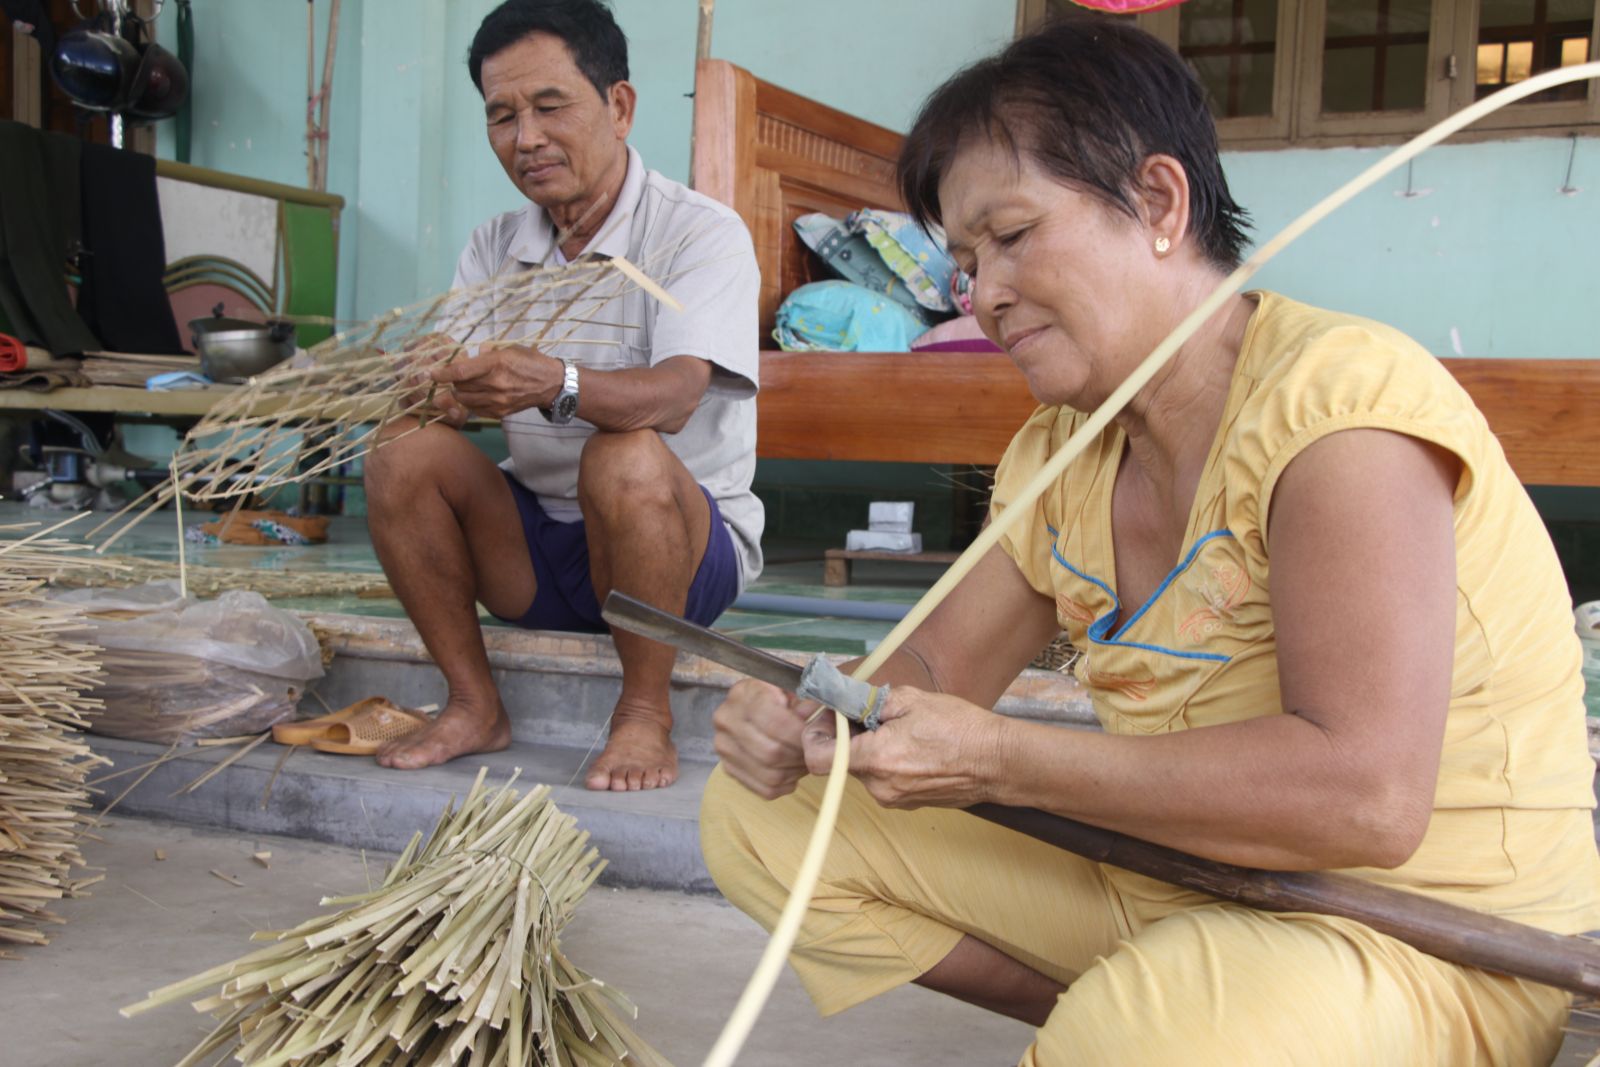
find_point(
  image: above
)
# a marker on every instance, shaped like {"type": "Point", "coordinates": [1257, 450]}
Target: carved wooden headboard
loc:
{"type": "Point", "coordinates": [774, 155]}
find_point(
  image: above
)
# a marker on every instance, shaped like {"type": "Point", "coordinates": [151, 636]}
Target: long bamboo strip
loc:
{"type": "Point", "coordinates": [455, 958]}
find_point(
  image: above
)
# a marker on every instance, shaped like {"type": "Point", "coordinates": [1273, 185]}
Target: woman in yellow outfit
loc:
{"type": "Point", "coordinates": [1323, 628]}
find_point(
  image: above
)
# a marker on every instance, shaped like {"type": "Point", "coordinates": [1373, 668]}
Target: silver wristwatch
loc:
{"type": "Point", "coordinates": [565, 404]}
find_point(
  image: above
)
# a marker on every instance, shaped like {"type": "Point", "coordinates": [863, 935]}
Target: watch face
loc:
{"type": "Point", "coordinates": [565, 406]}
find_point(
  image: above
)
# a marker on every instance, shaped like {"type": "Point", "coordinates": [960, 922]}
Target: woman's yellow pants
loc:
{"type": "Point", "coordinates": [1155, 975]}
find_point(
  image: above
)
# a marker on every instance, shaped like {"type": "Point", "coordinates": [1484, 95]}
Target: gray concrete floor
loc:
{"type": "Point", "coordinates": [682, 959]}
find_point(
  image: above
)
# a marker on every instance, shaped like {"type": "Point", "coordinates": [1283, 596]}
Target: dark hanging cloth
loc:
{"type": "Point", "coordinates": [38, 233]}
{"type": "Point", "coordinates": [124, 254]}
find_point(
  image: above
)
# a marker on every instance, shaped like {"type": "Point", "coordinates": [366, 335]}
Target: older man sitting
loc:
{"type": "Point", "coordinates": [631, 452]}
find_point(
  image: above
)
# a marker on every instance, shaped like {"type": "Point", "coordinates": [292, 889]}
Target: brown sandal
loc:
{"type": "Point", "coordinates": [358, 730]}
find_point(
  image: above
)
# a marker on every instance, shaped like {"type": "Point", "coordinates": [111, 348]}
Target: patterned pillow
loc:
{"type": "Point", "coordinates": [851, 257]}
{"type": "Point", "coordinates": [841, 317]}
{"type": "Point", "coordinates": [916, 256]}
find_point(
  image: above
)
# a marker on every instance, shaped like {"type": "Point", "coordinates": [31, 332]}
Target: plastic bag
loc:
{"type": "Point", "coordinates": [177, 668]}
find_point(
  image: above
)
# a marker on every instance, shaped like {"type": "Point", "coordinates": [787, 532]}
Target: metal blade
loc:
{"type": "Point", "coordinates": [635, 616]}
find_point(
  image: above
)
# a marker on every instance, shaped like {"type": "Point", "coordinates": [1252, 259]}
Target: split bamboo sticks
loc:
{"type": "Point", "coordinates": [456, 957]}
{"type": "Point", "coordinates": [44, 672]}
{"type": "Point", "coordinates": [207, 581]}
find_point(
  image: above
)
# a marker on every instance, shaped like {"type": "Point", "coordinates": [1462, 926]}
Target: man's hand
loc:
{"type": "Point", "coordinates": [502, 381]}
{"type": "Point", "coordinates": [932, 750]}
{"type": "Point", "coordinates": [428, 352]}
{"type": "Point", "coordinates": [758, 737]}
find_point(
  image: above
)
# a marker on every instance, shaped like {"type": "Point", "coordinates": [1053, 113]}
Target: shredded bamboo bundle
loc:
{"type": "Point", "coordinates": [207, 581]}
{"type": "Point", "coordinates": [43, 761]}
{"type": "Point", "coordinates": [457, 954]}
{"type": "Point", "coordinates": [307, 417]}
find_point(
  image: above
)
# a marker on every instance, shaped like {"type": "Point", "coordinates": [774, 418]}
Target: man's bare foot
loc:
{"type": "Point", "coordinates": [460, 729]}
{"type": "Point", "coordinates": [638, 755]}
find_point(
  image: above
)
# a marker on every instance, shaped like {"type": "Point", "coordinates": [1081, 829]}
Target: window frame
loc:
{"type": "Point", "coordinates": [1557, 116]}
{"type": "Point", "coordinates": [1313, 123]}
{"type": "Point", "coordinates": [1278, 124]}
{"type": "Point", "coordinates": [1297, 119]}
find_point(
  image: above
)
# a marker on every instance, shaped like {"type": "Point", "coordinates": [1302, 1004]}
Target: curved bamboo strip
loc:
{"type": "Point", "coordinates": [754, 998]}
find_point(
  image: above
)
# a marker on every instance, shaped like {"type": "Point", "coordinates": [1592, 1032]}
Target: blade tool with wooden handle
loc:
{"type": "Point", "coordinates": [1440, 929]}
{"type": "Point", "coordinates": [818, 680]}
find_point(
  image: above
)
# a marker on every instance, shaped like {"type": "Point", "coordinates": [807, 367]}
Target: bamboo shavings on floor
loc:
{"type": "Point", "coordinates": [457, 954]}
{"type": "Point", "coordinates": [43, 760]}
{"type": "Point", "coordinates": [211, 581]}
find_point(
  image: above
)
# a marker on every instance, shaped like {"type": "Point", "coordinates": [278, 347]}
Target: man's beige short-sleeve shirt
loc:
{"type": "Point", "coordinates": [700, 252]}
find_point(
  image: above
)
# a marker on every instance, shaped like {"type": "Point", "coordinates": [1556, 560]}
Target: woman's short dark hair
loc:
{"type": "Point", "coordinates": [597, 43]}
{"type": "Point", "coordinates": [1087, 99]}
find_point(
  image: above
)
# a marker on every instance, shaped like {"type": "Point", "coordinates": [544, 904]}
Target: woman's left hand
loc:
{"type": "Point", "coordinates": [931, 750]}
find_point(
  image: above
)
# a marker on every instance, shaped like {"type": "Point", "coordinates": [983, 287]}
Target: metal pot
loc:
{"type": "Point", "coordinates": [232, 350]}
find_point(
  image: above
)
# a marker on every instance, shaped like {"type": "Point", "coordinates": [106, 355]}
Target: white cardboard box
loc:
{"type": "Point", "coordinates": [892, 516]}
{"type": "Point", "coordinates": [882, 541]}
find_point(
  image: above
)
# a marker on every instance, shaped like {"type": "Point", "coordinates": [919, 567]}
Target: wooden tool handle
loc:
{"type": "Point", "coordinates": [1450, 932]}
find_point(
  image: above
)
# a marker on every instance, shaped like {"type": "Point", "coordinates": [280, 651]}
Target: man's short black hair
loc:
{"type": "Point", "coordinates": [596, 41]}
{"type": "Point", "coordinates": [1087, 99]}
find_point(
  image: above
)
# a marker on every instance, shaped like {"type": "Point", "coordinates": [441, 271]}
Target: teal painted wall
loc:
{"type": "Point", "coordinates": [777, 41]}
{"type": "Point", "coordinates": [248, 90]}
{"type": "Point", "coordinates": [1489, 259]}
{"type": "Point", "coordinates": [408, 147]}
{"type": "Point", "coordinates": [1486, 257]}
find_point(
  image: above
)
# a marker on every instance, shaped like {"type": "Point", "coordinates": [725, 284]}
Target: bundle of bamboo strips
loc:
{"type": "Point", "coordinates": [457, 954]}
{"type": "Point", "coordinates": [43, 761]}
{"type": "Point", "coordinates": [204, 581]}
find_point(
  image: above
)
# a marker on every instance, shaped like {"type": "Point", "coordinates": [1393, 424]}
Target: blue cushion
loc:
{"type": "Point", "coordinates": [841, 317]}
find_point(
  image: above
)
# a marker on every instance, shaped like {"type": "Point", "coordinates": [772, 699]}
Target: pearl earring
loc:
{"type": "Point", "coordinates": [1162, 246]}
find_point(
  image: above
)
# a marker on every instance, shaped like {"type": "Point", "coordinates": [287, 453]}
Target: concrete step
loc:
{"type": "Point", "coordinates": [649, 838]}
{"type": "Point", "coordinates": [559, 690]}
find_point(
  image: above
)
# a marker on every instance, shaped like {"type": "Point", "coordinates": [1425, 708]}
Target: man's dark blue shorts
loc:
{"type": "Point", "coordinates": [560, 553]}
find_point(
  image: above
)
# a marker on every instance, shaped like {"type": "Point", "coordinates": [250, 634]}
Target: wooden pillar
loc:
{"type": "Point", "coordinates": [26, 61]}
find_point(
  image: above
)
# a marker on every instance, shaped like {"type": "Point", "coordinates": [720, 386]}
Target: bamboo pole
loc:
{"type": "Point", "coordinates": [311, 94]}
{"type": "Point", "coordinates": [702, 50]}
{"type": "Point", "coordinates": [324, 103]}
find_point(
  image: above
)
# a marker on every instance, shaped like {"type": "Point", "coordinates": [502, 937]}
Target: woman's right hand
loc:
{"type": "Point", "coordinates": [758, 736]}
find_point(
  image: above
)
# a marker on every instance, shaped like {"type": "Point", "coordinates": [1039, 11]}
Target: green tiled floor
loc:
{"type": "Point", "coordinates": [793, 571]}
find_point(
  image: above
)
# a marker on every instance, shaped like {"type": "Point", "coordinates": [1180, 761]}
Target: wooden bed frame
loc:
{"type": "Point", "coordinates": [773, 155]}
